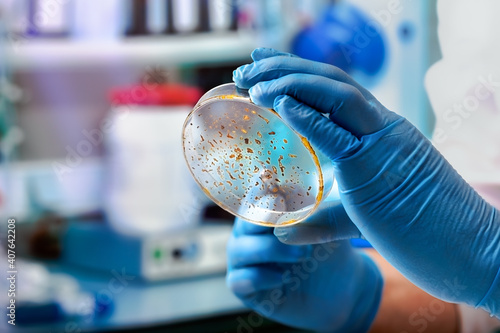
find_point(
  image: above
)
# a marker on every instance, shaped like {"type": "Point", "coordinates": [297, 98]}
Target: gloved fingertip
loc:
{"type": "Point", "coordinates": [241, 75]}
{"type": "Point", "coordinates": [236, 76]}
{"type": "Point", "coordinates": [281, 234]}
{"type": "Point", "coordinates": [288, 241]}
{"type": "Point", "coordinates": [303, 235]}
{"type": "Point", "coordinates": [288, 236]}
{"type": "Point", "coordinates": [255, 93]}
{"type": "Point", "coordinates": [265, 52]}
{"type": "Point", "coordinates": [262, 53]}
{"type": "Point", "coordinates": [241, 286]}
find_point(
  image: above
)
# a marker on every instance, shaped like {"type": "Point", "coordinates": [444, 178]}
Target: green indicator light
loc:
{"type": "Point", "coordinates": [157, 254]}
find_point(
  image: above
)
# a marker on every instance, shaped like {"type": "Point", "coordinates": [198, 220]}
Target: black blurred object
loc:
{"type": "Point", "coordinates": [213, 76]}
{"type": "Point", "coordinates": [46, 234]}
{"type": "Point", "coordinates": [38, 313]}
{"type": "Point", "coordinates": [234, 16]}
{"type": "Point", "coordinates": [45, 240]}
{"type": "Point", "coordinates": [137, 18]}
{"type": "Point", "coordinates": [214, 212]}
{"type": "Point", "coordinates": [170, 28]}
{"type": "Point", "coordinates": [250, 322]}
{"type": "Point", "coordinates": [203, 16]}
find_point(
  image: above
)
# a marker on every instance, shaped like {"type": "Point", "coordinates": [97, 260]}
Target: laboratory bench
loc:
{"type": "Point", "coordinates": [134, 283]}
{"type": "Point", "coordinates": [201, 304]}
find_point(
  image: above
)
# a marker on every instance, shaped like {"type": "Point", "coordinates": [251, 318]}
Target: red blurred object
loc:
{"type": "Point", "coordinates": [161, 94]}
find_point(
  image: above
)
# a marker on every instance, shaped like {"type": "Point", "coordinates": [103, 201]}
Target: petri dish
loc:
{"type": "Point", "coordinates": [250, 162]}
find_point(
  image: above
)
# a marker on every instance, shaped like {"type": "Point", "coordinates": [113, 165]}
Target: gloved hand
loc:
{"type": "Point", "coordinates": [329, 223]}
{"type": "Point", "coordinates": [328, 287]}
{"type": "Point", "coordinates": [403, 196]}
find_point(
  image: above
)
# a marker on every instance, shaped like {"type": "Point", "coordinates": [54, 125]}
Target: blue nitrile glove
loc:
{"type": "Point", "coordinates": [403, 196]}
{"type": "Point", "coordinates": [329, 287]}
{"type": "Point", "coordinates": [329, 223]}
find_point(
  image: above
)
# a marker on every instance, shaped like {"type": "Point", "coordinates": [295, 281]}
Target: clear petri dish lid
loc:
{"type": "Point", "coordinates": [250, 162]}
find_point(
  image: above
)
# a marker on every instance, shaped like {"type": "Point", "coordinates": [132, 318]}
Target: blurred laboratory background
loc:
{"type": "Point", "coordinates": [111, 233]}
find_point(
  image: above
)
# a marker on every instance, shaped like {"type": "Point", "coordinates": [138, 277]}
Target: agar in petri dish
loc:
{"type": "Point", "coordinates": [250, 162]}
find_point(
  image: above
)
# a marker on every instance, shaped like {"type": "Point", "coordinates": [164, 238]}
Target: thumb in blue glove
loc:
{"type": "Point", "coordinates": [400, 192]}
{"type": "Point", "coordinates": [329, 223]}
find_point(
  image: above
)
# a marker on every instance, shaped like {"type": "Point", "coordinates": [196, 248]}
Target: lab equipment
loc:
{"type": "Point", "coordinates": [408, 33]}
{"type": "Point", "coordinates": [148, 188]}
{"type": "Point", "coordinates": [251, 163]}
{"type": "Point", "coordinates": [48, 18]}
{"type": "Point", "coordinates": [137, 20]}
{"type": "Point", "coordinates": [186, 15]}
{"type": "Point", "coordinates": [224, 15]}
{"type": "Point", "coordinates": [41, 296]}
{"type": "Point", "coordinates": [385, 46]}
{"type": "Point", "coordinates": [345, 37]}
{"type": "Point", "coordinates": [297, 286]}
{"type": "Point", "coordinates": [103, 24]}
{"type": "Point", "coordinates": [159, 16]}
{"type": "Point", "coordinates": [403, 196]}
{"type": "Point", "coordinates": [203, 16]}
{"type": "Point", "coordinates": [163, 256]}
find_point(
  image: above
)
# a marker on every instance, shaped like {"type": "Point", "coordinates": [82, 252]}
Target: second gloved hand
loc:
{"type": "Point", "coordinates": [328, 287]}
{"type": "Point", "coordinates": [403, 196]}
